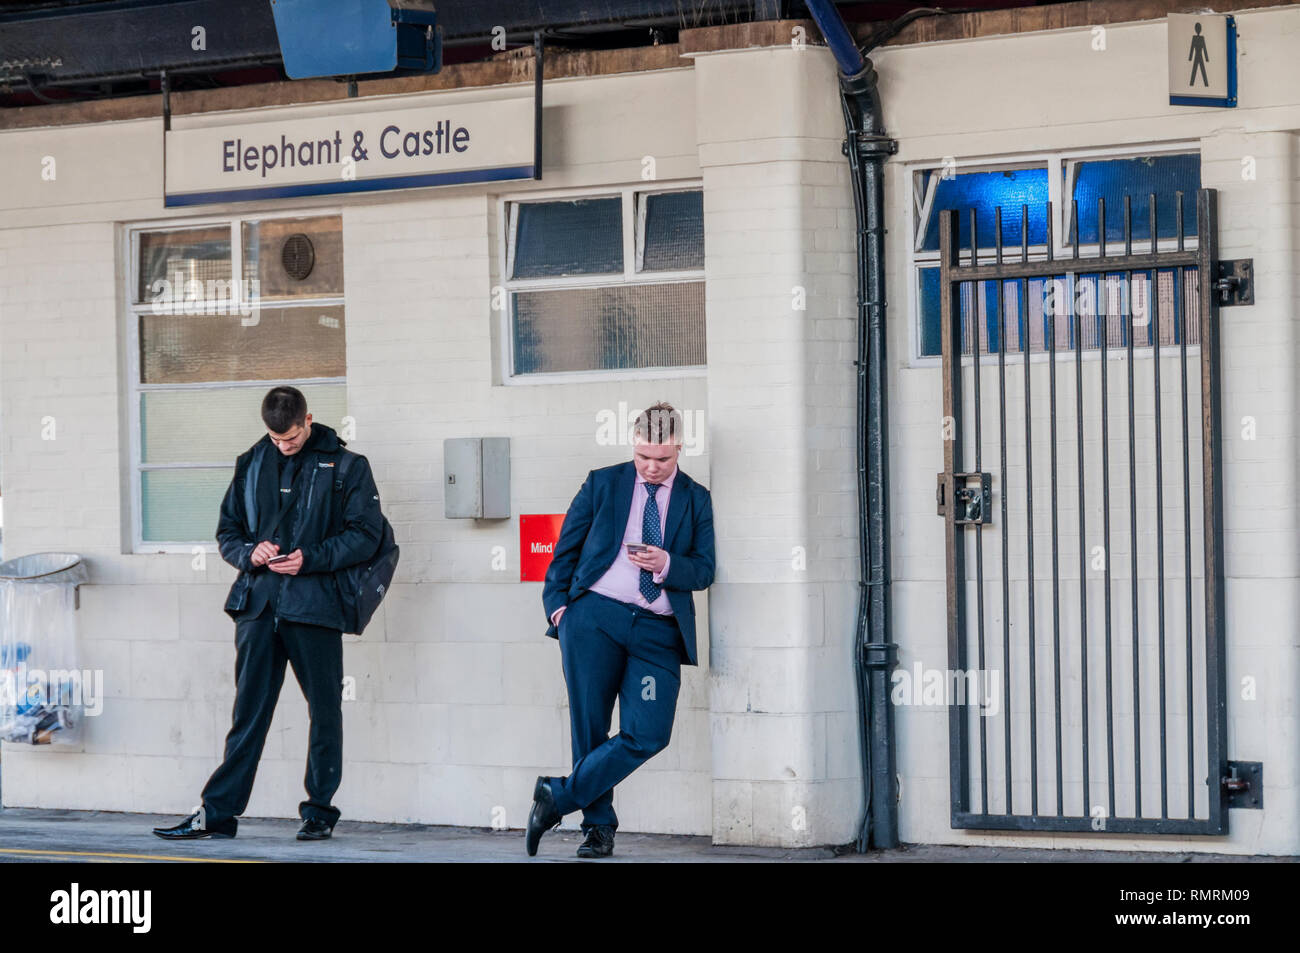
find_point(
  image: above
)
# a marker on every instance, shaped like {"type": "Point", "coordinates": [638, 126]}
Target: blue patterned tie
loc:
{"type": "Point", "coordinates": [651, 535]}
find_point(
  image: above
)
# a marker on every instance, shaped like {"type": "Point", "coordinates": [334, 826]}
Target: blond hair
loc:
{"type": "Point", "coordinates": [659, 424]}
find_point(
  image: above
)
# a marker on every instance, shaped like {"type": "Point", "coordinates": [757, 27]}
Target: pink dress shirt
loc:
{"type": "Point", "coordinates": [622, 581]}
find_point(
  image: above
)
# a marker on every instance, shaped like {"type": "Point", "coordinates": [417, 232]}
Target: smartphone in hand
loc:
{"type": "Point", "coordinates": [277, 559]}
{"type": "Point", "coordinates": [636, 547]}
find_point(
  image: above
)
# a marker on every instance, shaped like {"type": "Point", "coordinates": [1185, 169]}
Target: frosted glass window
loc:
{"type": "Point", "coordinates": [179, 258]}
{"type": "Point", "coordinates": [295, 257]}
{"type": "Point", "coordinates": [581, 237]}
{"type": "Point", "coordinates": [623, 326]}
{"type": "Point", "coordinates": [206, 355]}
{"type": "Point", "coordinates": [212, 425]}
{"type": "Point", "coordinates": [1104, 303]}
{"type": "Point", "coordinates": [576, 303]}
{"type": "Point", "coordinates": [182, 505]}
{"type": "Point", "coordinates": [273, 344]}
{"type": "Point", "coordinates": [1112, 179]}
{"type": "Point", "coordinates": [985, 192]}
{"type": "Point", "coordinates": [672, 236]}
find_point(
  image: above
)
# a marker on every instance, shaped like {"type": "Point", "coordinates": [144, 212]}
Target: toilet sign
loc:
{"type": "Point", "coordinates": [1202, 59]}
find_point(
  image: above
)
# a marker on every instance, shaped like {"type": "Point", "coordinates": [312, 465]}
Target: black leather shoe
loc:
{"type": "Point", "coordinates": [599, 842]}
{"type": "Point", "coordinates": [192, 828]}
{"type": "Point", "coordinates": [313, 828]}
{"type": "Point", "coordinates": [543, 817]}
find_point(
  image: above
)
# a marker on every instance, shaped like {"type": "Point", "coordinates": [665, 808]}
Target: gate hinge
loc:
{"type": "Point", "coordinates": [974, 495]}
{"type": "Point", "coordinates": [1234, 280]}
{"type": "Point", "coordinates": [1244, 784]}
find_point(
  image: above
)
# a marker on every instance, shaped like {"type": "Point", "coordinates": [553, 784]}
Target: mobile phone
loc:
{"type": "Point", "coordinates": [636, 547]}
{"type": "Point", "coordinates": [278, 559]}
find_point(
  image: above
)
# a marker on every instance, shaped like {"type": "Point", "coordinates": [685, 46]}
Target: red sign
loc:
{"type": "Point", "coordinates": [537, 536]}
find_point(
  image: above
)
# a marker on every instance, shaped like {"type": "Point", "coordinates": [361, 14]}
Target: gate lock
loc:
{"type": "Point", "coordinates": [972, 494]}
{"type": "Point", "coordinates": [1244, 784]}
{"type": "Point", "coordinates": [1234, 280]}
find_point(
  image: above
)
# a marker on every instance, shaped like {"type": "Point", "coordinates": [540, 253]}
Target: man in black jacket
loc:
{"type": "Point", "coordinates": [288, 522]}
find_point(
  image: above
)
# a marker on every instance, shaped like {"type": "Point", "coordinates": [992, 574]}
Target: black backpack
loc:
{"type": "Point", "coordinates": [363, 586]}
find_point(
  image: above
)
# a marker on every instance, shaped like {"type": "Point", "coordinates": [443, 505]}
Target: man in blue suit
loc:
{"type": "Point", "coordinates": [636, 541]}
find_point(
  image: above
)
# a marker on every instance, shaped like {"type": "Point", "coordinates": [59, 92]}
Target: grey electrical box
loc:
{"type": "Point", "coordinates": [476, 481]}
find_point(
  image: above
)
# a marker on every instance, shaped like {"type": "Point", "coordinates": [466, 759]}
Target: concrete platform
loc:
{"type": "Point", "coordinates": [33, 835]}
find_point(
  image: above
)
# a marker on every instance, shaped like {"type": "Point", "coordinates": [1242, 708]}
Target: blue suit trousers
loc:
{"type": "Point", "coordinates": [614, 650]}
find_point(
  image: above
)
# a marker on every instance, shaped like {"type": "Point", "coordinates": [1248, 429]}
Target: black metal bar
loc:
{"type": "Point", "coordinates": [1027, 350]}
{"type": "Point", "coordinates": [1153, 305]}
{"type": "Point", "coordinates": [1056, 573]}
{"type": "Point", "coordinates": [1216, 702]}
{"type": "Point", "coordinates": [1006, 571]}
{"type": "Point", "coordinates": [950, 309]}
{"type": "Point", "coordinates": [978, 289]}
{"type": "Point", "coordinates": [539, 70]}
{"type": "Point", "coordinates": [164, 82]}
{"type": "Point", "coordinates": [1132, 513]}
{"type": "Point", "coordinates": [1083, 538]}
{"type": "Point", "coordinates": [1104, 319]}
{"type": "Point", "coordinates": [1046, 269]}
{"type": "Point", "coordinates": [165, 87]}
{"type": "Point", "coordinates": [1181, 329]}
{"type": "Point", "coordinates": [1050, 822]}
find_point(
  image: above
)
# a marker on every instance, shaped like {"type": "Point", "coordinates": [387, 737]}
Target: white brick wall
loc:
{"type": "Point", "coordinates": [781, 394]}
{"type": "Point", "coordinates": [459, 701]}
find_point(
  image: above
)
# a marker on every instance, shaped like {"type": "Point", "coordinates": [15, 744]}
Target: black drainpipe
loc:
{"type": "Point", "coordinates": [874, 654]}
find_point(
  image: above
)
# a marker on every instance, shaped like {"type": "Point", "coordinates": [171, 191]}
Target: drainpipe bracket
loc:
{"type": "Point", "coordinates": [880, 655]}
{"type": "Point", "coordinates": [868, 143]}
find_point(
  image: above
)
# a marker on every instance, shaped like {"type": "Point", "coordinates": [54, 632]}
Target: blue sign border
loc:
{"type": "Point", "coordinates": [343, 186]}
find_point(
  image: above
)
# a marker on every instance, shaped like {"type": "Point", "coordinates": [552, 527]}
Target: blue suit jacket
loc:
{"type": "Point", "coordinates": [593, 532]}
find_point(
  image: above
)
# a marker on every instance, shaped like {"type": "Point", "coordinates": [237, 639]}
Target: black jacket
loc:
{"type": "Point", "coordinates": [334, 525]}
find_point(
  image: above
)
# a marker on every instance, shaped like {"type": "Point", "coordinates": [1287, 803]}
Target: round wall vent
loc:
{"type": "Point", "coordinates": [298, 256]}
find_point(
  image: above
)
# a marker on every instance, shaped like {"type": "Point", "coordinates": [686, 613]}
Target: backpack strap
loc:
{"type": "Point", "coordinates": [347, 456]}
{"type": "Point", "coordinates": [251, 473]}
{"type": "Point", "coordinates": [345, 461]}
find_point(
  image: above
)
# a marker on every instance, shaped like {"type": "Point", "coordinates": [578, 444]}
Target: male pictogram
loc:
{"type": "Point", "coordinates": [1199, 56]}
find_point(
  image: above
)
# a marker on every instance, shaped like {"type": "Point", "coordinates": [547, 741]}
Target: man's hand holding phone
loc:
{"type": "Point", "coordinates": [264, 552]}
{"type": "Point", "coordinates": [288, 564]}
{"type": "Point", "coordinates": [648, 557]}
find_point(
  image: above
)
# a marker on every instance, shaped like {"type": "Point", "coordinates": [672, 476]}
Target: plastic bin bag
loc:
{"type": "Point", "coordinates": [43, 693]}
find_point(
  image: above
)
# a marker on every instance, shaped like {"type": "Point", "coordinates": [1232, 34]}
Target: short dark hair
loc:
{"type": "Point", "coordinates": [283, 407]}
{"type": "Point", "coordinates": [659, 424]}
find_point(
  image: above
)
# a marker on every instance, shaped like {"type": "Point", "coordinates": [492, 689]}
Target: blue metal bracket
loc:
{"type": "Point", "coordinates": [321, 38]}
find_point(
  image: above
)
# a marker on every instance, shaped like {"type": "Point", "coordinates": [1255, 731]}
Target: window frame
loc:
{"type": "Point", "coordinates": [136, 389]}
{"type": "Point", "coordinates": [1059, 163]}
{"type": "Point", "coordinates": [632, 209]}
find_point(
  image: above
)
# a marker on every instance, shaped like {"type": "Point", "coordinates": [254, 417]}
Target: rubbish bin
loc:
{"type": "Point", "coordinates": [42, 690]}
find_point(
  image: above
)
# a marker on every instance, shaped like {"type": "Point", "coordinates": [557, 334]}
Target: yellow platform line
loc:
{"type": "Point", "coordinates": [92, 853]}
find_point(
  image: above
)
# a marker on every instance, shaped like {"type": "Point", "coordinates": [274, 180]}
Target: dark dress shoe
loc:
{"type": "Point", "coordinates": [313, 828]}
{"type": "Point", "coordinates": [599, 842]}
{"type": "Point", "coordinates": [544, 815]}
{"type": "Point", "coordinates": [192, 829]}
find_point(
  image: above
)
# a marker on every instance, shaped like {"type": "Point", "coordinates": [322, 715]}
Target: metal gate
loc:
{"type": "Point", "coordinates": [1082, 506]}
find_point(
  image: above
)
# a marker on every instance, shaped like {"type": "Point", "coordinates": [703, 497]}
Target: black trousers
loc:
{"type": "Point", "coordinates": [262, 648]}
